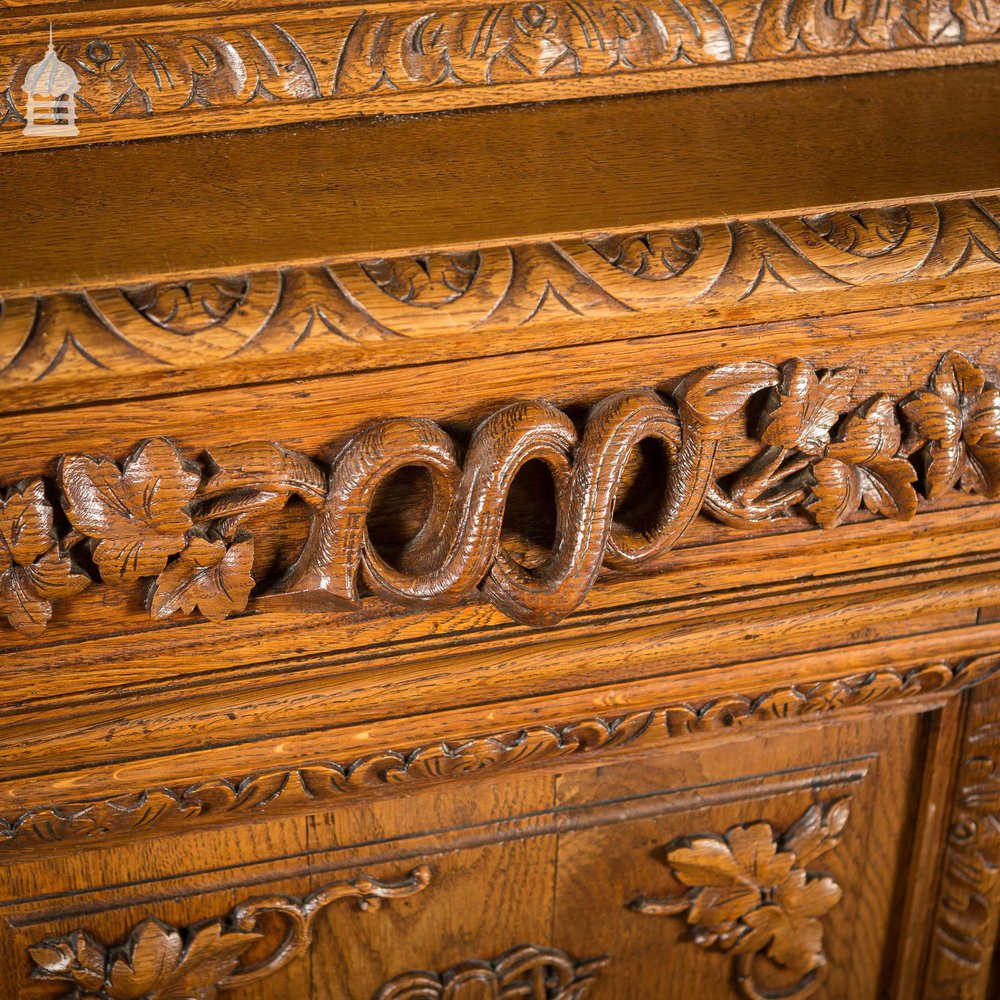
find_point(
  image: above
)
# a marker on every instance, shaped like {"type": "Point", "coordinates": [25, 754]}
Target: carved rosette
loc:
{"type": "Point", "coordinates": [750, 894]}
{"type": "Point", "coordinates": [183, 526]}
{"type": "Point", "coordinates": [160, 962]}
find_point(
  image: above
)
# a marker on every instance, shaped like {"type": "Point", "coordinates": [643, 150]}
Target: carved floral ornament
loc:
{"type": "Point", "coordinates": [160, 962]}
{"type": "Point", "coordinates": [185, 528]}
{"type": "Point", "coordinates": [750, 895]}
{"type": "Point", "coordinates": [152, 69]}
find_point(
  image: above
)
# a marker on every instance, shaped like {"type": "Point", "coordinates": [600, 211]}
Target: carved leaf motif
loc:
{"type": "Point", "coordinates": [33, 572]}
{"type": "Point", "coordinates": [959, 416]}
{"type": "Point", "coordinates": [156, 964]}
{"type": "Point", "coordinates": [862, 466]}
{"type": "Point", "coordinates": [210, 575]}
{"type": "Point", "coordinates": [265, 468]}
{"type": "Point", "coordinates": [138, 515]}
{"type": "Point", "coordinates": [801, 411]}
{"type": "Point", "coordinates": [713, 395]}
{"type": "Point", "coordinates": [76, 957]}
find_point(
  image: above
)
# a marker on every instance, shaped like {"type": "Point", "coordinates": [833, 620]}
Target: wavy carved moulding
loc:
{"type": "Point", "coordinates": [291, 63]}
{"type": "Point", "coordinates": [654, 277]}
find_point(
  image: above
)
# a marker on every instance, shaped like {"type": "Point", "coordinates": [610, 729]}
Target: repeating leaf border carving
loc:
{"type": "Point", "coordinates": [317, 784]}
{"type": "Point", "coordinates": [185, 323]}
{"type": "Point", "coordinates": [185, 529]}
{"type": "Point", "coordinates": [293, 58]}
{"type": "Point", "coordinates": [159, 961]}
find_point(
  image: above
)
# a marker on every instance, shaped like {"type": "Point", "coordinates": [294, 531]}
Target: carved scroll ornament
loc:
{"type": "Point", "coordinates": [749, 894]}
{"type": "Point", "coordinates": [183, 527]}
{"type": "Point", "coordinates": [159, 962]}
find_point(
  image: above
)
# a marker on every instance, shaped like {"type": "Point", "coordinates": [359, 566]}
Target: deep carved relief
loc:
{"type": "Point", "coordinates": [541, 973]}
{"type": "Point", "coordinates": [965, 924]}
{"type": "Point", "coordinates": [159, 962]}
{"type": "Point", "coordinates": [155, 70]}
{"type": "Point", "coordinates": [185, 528]}
{"type": "Point", "coordinates": [189, 324]}
{"type": "Point", "coordinates": [314, 783]}
{"type": "Point", "coordinates": [751, 895]}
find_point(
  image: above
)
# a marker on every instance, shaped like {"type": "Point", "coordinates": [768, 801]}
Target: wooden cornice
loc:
{"type": "Point", "coordinates": [155, 68]}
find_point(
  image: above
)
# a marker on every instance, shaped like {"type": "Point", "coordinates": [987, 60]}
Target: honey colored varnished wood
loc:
{"type": "Point", "coordinates": [547, 550]}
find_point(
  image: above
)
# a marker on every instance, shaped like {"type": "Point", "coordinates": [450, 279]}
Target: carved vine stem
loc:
{"type": "Point", "coordinates": [159, 962]}
{"type": "Point", "coordinates": [749, 894]}
{"type": "Point", "coordinates": [183, 527]}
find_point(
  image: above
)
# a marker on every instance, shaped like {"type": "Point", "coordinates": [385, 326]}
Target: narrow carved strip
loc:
{"type": "Point", "coordinates": [968, 908]}
{"type": "Point", "coordinates": [287, 60]}
{"type": "Point", "coordinates": [750, 895]}
{"type": "Point", "coordinates": [160, 962]}
{"type": "Point", "coordinates": [185, 529]}
{"type": "Point", "coordinates": [528, 970]}
{"type": "Point", "coordinates": [193, 323]}
{"type": "Point", "coordinates": [316, 783]}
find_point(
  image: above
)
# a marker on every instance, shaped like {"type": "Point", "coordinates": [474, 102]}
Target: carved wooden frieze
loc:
{"type": "Point", "coordinates": [750, 894]}
{"type": "Point", "coordinates": [525, 971]}
{"type": "Point", "coordinates": [193, 323]}
{"type": "Point", "coordinates": [315, 783]}
{"type": "Point", "coordinates": [159, 962]}
{"type": "Point", "coordinates": [292, 60]}
{"type": "Point", "coordinates": [185, 528]}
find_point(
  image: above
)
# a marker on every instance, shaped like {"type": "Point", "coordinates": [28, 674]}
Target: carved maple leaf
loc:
{"type": "Point", "coordinates": [156, 965]}
{"type": "Point", "coordinates": [863, 467]}
{"type": "Point", "coordinates": [33, 572]}
{"type": "Point", "coordinates": [959, 415]}
{"type": "Point", "coordinates": [801, 411]}
{"type": "Point", "coordinates": [137, 516]}
{"type": "Point", "coordinates": [210, 575]}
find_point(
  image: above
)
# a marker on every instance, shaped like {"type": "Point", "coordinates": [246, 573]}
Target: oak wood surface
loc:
{"type": "Point", "coordinates": [879, 138]}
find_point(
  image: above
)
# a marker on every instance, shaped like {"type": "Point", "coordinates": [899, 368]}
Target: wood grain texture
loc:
{"type": "Point", "coordinates": [80, 338]}
{"type": "Point", "coordinates": [316, 784]}
{"type": "Point", "coordinates": [181, 71]}
{"type": "Point", "coordinates": [158, 515]}
{"type": "Point", "coordinates": [926, 134]}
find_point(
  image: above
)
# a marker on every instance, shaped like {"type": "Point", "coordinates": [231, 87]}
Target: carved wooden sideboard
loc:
{"type": "Point", "coordinates": [500, 501]}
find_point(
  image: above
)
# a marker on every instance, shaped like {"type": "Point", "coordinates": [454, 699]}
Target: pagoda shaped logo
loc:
{"type": "Point", "coordinates": [51, 87]}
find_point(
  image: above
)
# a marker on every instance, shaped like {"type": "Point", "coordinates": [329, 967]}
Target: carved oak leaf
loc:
{"type": "Point", "coordinates": [137, 515]}
{"type": "Point", "coordinates": [211, 575]}
{"type": "Point", "coordinates": [33, 572]}
{"type": "Point", "coordinates": [800, 412]}
{"type": "Point", "coordinates": [76, 957]}
{"type": "Point", "coordinates": [156, 965]}
{"type": "Point", "coordinates": [959, 415]}
{"type": "Point", "coordinates": [862, 467]}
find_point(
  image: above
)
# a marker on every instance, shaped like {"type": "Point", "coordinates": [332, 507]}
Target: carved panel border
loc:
{"type": "Point", "coordinates": [187, 324]}
{"type": "Point", "coordinates": [184, 529]}
{"type": "Point", "coordinates": [335, 60]}
{"type": "Point", "coordinates": [317, 784]}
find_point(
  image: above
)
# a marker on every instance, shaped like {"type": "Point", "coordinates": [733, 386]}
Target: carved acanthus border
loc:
{"type": "Point", "coordinates": [966, 922]}
{"type": "Point", "coordinates": [160, 962]}
{"type": "Point", "coordinates": [319, 783]}
{"type": "Point", "coordinates": [528, 970]}
{"type": "Point", "coordinates": [193, 323]}
{"type": "Point", "coordinates": [184, 528]}
{"type": "Point", "coordinates": [292, 59]}
{"type": "Point", "coordinates": [749, 894]}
